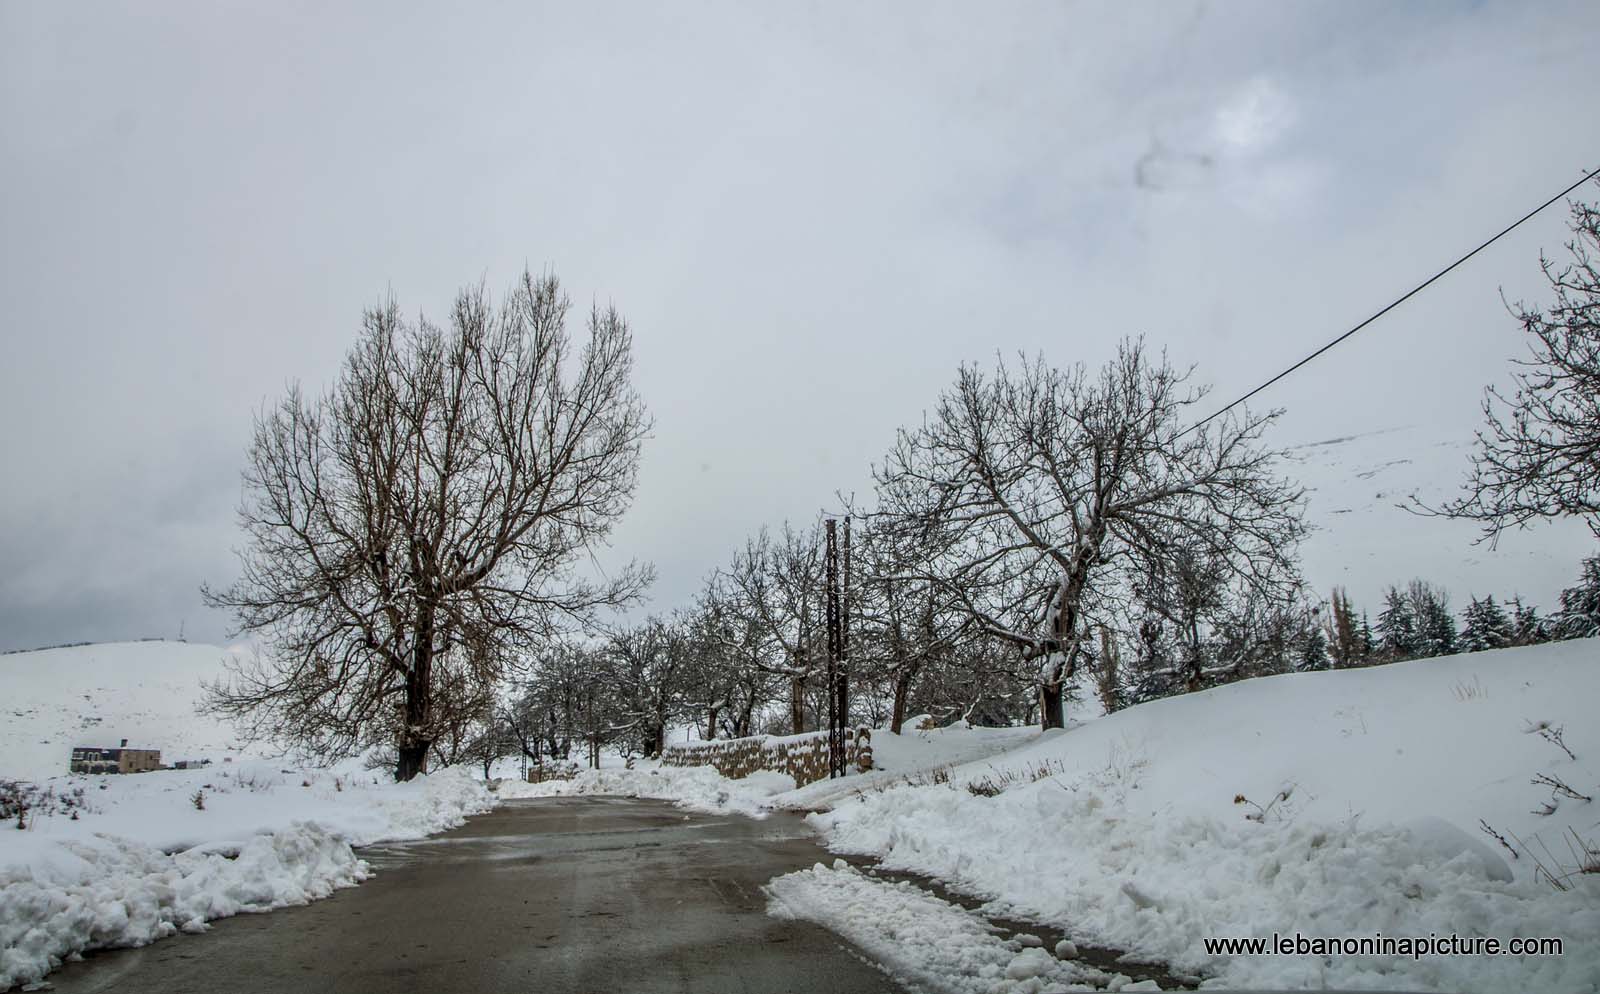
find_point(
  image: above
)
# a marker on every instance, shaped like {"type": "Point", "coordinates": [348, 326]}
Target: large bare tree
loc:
{"type": "Point", "coordinates": [426, 515]}
{"type": "Point", "coordinates": [1046, 489]}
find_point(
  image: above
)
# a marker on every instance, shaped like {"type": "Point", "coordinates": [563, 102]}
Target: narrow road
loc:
{"type": "Point", "coordinates": [561, 895]}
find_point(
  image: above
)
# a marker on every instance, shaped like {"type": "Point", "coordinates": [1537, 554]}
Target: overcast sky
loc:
{"type": "Point", "coordinates": [810, 214]}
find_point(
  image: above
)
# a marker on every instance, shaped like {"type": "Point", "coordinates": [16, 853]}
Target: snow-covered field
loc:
{"type": "Point", "coordinates": [97, 695]}
{"type": "Point", "coordinates": [151, 854]}
{"type": "Point", "coordinates": [1365, 540]}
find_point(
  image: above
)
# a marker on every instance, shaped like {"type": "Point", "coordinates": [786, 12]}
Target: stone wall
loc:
{"type": "Point", "coordinates": [804, 757]}
{"type": "Point", "coordinates": [551, 770]}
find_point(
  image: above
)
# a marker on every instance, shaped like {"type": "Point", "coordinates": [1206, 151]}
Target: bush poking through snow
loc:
{"type": "Point", "coordinates": [23, 801]}
{"type": "Point", "coordinates": [1260, 813]}
{"type": "Point", "coordinates": [198, 800]}
{"type": "Point", "coordinates": [985, 787]}
{"type": "Point", "coordinates": [1552, 735]}
{"type": "Point", "coordinates": [1488, 830]}
{"type": "Point", "coordinates": [1559, 788]}
{"type": "Point", "coordinates": [1558, 871]}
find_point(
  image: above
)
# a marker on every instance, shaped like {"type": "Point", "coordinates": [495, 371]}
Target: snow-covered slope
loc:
{"type": "Point", "coordinates": [1332, 804]}
{"type": "Point", "coordinates": [96, 695]}
{"type": "Point", "coordinates": [1364, 541]}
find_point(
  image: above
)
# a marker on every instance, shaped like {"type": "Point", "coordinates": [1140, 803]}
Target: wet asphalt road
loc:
{"type": "Point", "coordinates": [548, 896]}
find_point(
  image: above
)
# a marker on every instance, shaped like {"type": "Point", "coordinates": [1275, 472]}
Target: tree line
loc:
{"type": "Point", "coordinates": [413, 537]}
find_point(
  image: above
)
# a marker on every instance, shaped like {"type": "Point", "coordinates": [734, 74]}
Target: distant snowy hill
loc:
{"type": "Point", "coordinates": [96, 695]}
{"type": "Point", "coordinates": [1364, 540]}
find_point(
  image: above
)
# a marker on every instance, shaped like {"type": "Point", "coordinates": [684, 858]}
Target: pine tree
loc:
{"type": "Point", "coordinates": [1397, 628]}
{"type": "Point", "coordinates": [1580, 605]}
{"type": "Point", "coordinates": [1368, 646]}
{"type": "Point", "coordinates": [1485, 626]}
{"type": "Point", "coordinates": [1313, 650]}
{"type": "Point", "coordinates": [1436, 626]}
{"type": "Point", "coordinates": [1527, 628]}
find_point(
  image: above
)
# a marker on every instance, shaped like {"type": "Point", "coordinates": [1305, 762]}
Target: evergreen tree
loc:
{"type": "Point", "coordinates": [1368, 646]}
{"type": "Point", "coordinates": [1486, 626]}
{"type": "Point", "coordinates": [1313, 650]}
{"type": "Point", "coordinates": [1397, 628]}
{"type": "Point", "coordinates": [1436, 626]}
{"type": "Point", "coordinates": [1580, 605]}
{"type": "Point", "coordinates": [1527, 628]}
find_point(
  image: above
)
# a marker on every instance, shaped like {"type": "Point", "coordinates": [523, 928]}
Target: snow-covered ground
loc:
{"type": "Point", "coordinates": [1132, 836]}
{"type": "Point", "coordinates": [97, 695]}
{"type": "Point", "coordinates": [151, 854]}
{"type": "Point", "coordinates": [927, 943]}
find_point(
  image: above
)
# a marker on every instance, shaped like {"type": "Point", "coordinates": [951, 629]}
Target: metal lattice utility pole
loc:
{"type": "Point", "coordinates": [836, 764]}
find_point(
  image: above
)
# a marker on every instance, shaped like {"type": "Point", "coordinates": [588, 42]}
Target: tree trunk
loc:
{"type": "Point", "coordinates": [1196, 662]}
{"type": "Point", "coordinates": [1050, 710]}
{"type": "Point", "coordinates": [711, 723]}
{"type": "Point", "coordinates": [902, 691]}
{"type": "Point", "coordinates": [412, 750]}
{"type": "Point", "coordinates": [797, 704]}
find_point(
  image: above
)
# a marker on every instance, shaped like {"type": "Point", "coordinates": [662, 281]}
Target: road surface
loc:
{"type": "Point", "coordinates": [577, 895]}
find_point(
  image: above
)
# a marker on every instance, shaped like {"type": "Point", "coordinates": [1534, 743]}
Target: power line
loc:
{"type": "Point", "coordinates": [1392, 305]}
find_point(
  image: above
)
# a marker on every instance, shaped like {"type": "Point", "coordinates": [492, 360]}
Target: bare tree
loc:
{"type": "Point", "coordinates": [432, 505]}
{"type": "Point", "coordinates": [1539, 454]}
{"type": "Point", "coordinates": [778, 584]}
{"type": "Point", "coordinates": [725, 682]}
{"type": "Point", "coordinates": [649, 667]}
{"type": "Point", "coordinates": [908, 624]}
{"type": "Point", "coordinates": [1046, 488]}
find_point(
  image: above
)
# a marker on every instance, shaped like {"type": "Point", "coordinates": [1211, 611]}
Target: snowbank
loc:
{"type": "Point", "coordinates": [1130, 835]}
{"type": "Point", "coordinates": [694, 788]}
{"type": "Point", "coordinates": [111, 892]}
{"type": "Point", "coordinates": [144, 861]}
{"type": "Point", "coordinates": [921, 940]}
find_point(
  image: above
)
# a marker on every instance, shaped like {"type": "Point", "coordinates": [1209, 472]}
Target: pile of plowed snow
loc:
{"type": "Point", "coordinates": [124, 860]}
{"type": "Point", "coordinates": [144, 858]}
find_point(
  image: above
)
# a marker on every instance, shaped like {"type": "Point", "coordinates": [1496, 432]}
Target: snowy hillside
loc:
{"type": "Point", "coordinates": [1365, 542]}
{"type": "Point", "coordinates": [1333, 804]}
{"type": "Point", "coordinates": [96, 695]}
